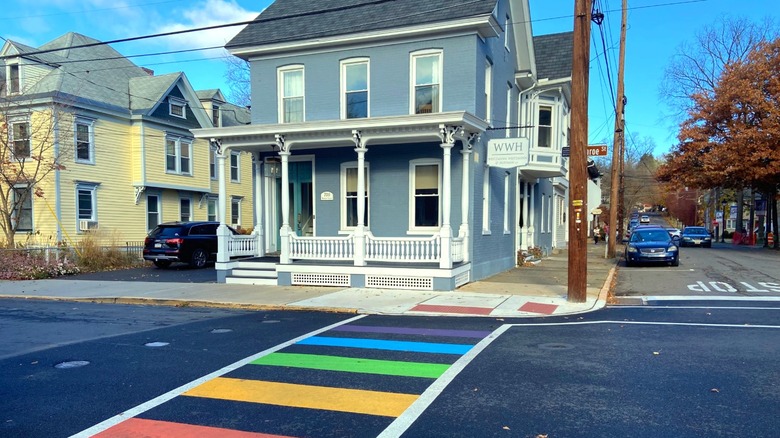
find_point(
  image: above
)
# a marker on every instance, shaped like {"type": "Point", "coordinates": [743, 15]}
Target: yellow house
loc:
{"type": "Point", "coordinates": [95, 142]}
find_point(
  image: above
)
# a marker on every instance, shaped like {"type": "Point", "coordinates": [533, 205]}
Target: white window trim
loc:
{"type": "Point", "coordinates": [87, 187]}
{"type": "Point", "coordinates": [233, 201]}
{"type": "Point", "coordinates": [185, 198]}
{"type": "Point", "coordinates": [15, 210]}
{"type": "Point", "coordinates": [18, 65]}
{"type": "Point", "coordinates": [413, 76]}
{"type": "Point", "coordinates": [508, 110]}
{"type": "Point", "coordinates": [236, 154]}
{"type": "Point", "coordinates": [212, 200]}
{"type": "Point", "coordinates": [180, 143]}
{"type": "Point", "coordinates": [539, 125]}
{"type": "Point", "coordinates": [16, 120]}
{"type": "Point", "coordinates": [343, 200]}
{"type": "Point", "coordinates": [175, 101]}
{"type": "Point", "coordinates": [213, 162]}
{"type": "Point", "coordinates": [159, 210]}
{"type": "Point", "coordinates": [280, 89]}
{"type": "Point", "coordinates": [506, 203]}
{"type": "Point", "coordinates": [344, 64]}
{"type": "Point", "coordinates": [486, 202]}
{"type": "Point", "coordinates": [412, 172]}
{"type": "Point", "coordinates": [216, 109]}
{"type": "Point", "coordinates": [507, 33]}
{"type": "Point", "coordinates": [90, 123]}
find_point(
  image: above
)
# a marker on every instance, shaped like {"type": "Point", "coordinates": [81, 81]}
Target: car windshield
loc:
{"type": "Point", "coordinates": [166, 232]}
{"type": "Point", "coordinates": [696, 230]}
{"type": "Point", "coordinates": [650, 236]}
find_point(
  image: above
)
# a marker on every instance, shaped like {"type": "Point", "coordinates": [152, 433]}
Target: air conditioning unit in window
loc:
{"type": "Point", "coordinates": [87, 225]}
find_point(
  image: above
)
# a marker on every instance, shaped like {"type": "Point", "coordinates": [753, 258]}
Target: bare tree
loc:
{"type": "Point", "coordinates": [237, 76]}
{"type": "Point", "coordinates": [698, 64]}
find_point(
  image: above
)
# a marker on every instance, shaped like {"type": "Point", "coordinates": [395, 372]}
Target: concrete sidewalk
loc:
{"type": "Point", "coordinates": [529, 291]}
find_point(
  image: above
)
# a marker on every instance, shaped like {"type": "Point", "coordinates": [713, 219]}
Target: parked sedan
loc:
{"type": "Point", "coordinates": [652, 245]}
{"type": "Point", "coordinates": [674, 232]}
{"type": "Point", "coordinates": [188, 242]}
{"type": "Point", "coordinates": [696, 236]}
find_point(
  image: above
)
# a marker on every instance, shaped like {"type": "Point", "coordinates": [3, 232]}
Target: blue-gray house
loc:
{"type": "Point", "coordinates": [411, 144]}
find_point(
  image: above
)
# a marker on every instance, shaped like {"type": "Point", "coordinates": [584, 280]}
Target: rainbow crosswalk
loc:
{"type": "Point", "coordinates": [350, 380]}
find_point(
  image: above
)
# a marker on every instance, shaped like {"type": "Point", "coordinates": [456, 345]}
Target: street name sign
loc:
{"type": "Point", "coordinates": [597, 150]}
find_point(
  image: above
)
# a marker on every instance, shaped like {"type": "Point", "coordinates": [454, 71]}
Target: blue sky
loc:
{"type": "Point", "coordinates": [656, 28]}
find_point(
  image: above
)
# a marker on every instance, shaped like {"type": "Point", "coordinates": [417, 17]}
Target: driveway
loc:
{"type": "Point", "coordinates": [177, 273]}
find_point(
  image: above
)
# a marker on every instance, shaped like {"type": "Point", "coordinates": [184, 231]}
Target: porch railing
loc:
{"type": "Point", "coordinates": [403, 249]}
{"type": "Point", "coordinates": [243, 245]}
{"type": "Point", "coordinates": [322, 248]}
{"type": "Point", "coordinates": [457, 247]}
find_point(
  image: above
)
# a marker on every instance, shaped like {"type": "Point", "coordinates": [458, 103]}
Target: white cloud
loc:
{"type": "Point", "coordinates": [204, 14]}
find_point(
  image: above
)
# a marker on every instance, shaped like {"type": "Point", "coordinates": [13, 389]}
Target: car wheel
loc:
{"type": "Point", "coordinates": [676, 262]}
{"type": "Point", "coordinates": [162, 263]}
{"type": "Point", "coordinates": [629, 264]}
{"type": "Point", "coordinates": [199, 258]}
{"type": "Point", "coordinates": [709, 245]}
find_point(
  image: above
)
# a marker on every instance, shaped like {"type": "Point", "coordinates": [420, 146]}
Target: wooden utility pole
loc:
{"type": "Point", "coordinates": [578, 189]}
{"type": "Point", "coordinates": [617, 143]}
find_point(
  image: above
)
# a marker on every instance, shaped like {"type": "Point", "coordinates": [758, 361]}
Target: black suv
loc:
{"type": "Point", "coordinates": [189, 242]}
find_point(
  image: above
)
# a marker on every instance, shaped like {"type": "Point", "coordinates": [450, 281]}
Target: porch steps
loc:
{"type": "Point", "coordinates": [254, 272]}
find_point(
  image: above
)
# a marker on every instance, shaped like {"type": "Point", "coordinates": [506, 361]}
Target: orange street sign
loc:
{"type": "Point", "coordinates": [597, 150]}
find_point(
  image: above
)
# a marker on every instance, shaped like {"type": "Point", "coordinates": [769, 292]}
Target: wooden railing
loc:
{"type": "Point", "coordinates": [322, 248]}
{"type": "Point", "coordinates": [403, 249]}
{"type": "Point", "coordinates": [457, 249]}
{"type": "Point", "coordinates": [243, 245]}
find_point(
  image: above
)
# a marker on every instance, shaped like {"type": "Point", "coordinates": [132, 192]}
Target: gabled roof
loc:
{"type": "Point", "coordinates": [293, 20]}
{"type": "Point", "coordinates": [554, 55]}
{"type": "Point", "coordinates": [146, 91]}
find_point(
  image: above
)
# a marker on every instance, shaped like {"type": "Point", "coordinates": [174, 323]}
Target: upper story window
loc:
{"type": "Point", "coordinates": [216, 116]}
{"type": "Point", "coordinates": [425, 183]}
{"type": "Point", "coordinates": [426, 81]}
{"type": "Point", "coordinates": [354, 86]}
{"type": "Point", "coordinates": [213, 162]}
{"type": "Point", "coordinates": [20, 137]}
{"type": "Point", "coordinates": [291, 92]}
{"type": "Point", "coordinates": [14, 79]}
{"type": "Point", "coordinates": [544, 127]}
{"type": "Point", "coordinates": [178, 155]}
{"type": "Point", "coordinates": [177, 107]}
{"type": "Point", "coordinates": [84, 138]}
{"type": "Point", "coordinates": [507, 33]}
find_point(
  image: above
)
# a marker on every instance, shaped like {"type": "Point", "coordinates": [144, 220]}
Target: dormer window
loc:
{"type": "Point", "coordinates": [14, 81]}
{"type": "Point", "coordinates": [215, 115]}
{"type": "Point", "coordinates": [176, 107]}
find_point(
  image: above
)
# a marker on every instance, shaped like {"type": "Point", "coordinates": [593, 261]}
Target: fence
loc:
{"type": "Point", "coordinates": [49, 252]}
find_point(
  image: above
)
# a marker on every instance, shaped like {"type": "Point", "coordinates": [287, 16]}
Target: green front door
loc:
{"type": "Point", "coordinates": [301, 199]}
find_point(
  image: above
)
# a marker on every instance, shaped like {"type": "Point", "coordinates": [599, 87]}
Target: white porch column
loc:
{"type": "Point", "coordinates": [463, 232]}
{"type": "Point", "coordinates": [360, 229]}
{"type": "Point", "coordinates": [445, 232]}
{"type": "Point", "coordinates": [285, 231]}
{"type": "Point", "coordinates": [223, 234]}
{"type": "Point", "coordinates": [531, 213]}
{"type": "Point", "coordinates": [259, 207]}
{"type": "Point", "coordinates": [523, 230]}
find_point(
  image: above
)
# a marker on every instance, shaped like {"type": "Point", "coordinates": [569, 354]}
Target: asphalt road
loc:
{"type": "Point", "coordinates": [645, 371]}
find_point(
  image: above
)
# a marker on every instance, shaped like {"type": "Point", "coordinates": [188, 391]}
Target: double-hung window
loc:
{"type": "Point", "coordinates": [211, 209]}
{"type": "Point", "coordinates": [213, 162]}
{"type": "Point", "coordinates": [349, 201]}
{"type": "Point", "coordinates": [425, 186]}
{"type": "Point", "coordinates": [85, 140]}
{"type": "Point", "coordinates": [152, 211]}
{"type": "Point", "coordinates": [14, 79]}
{"type": "Point", "coordinates": [21, 213]}
{"type": "Point", "coordinates": [20, 137]}
{"type": "Point", "coordinates": [185, 209]}
{"type": "Point", "coordinates": [544, 127]}
{"type": "Point", "coordinates": [215, 116]}
{"type": "Point", "coordinates": [235, 168]}
{"type": "Point", "coordinates": [354, 86]}
{"type": "Point", "coordinates": [178, 153]}
{"type": "Point", "coordinates": [235, 210]}
{"type": "Point", "coordinates": [426, 81]}
{"type": "Point", "coordinates": [291, 93]}
{"type": "Point", "coordinates": [177, 107]}
{"type": "Point", "coordinates": [86, 201]}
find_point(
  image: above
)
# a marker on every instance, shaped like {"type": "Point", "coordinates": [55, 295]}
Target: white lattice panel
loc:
{"type": "Point", "coordinates": [321, 279]}
{"type": "Point", "coordinates": [389, 282]}
{"type": "Point", "coordinates": [462, 278]}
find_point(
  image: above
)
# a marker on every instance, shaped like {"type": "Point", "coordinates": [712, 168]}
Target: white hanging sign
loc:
{"type": "Point", "coordinates": [507, 152]}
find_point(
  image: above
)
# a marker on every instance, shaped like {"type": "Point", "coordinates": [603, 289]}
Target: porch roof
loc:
{"type": "Point", "coordinates": [337, 133]}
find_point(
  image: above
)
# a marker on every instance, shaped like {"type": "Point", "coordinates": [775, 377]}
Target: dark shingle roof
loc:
{"type": "Point", "coordinates": [553, 54]}
{"type": "Point", "coordinates": [292, 20]}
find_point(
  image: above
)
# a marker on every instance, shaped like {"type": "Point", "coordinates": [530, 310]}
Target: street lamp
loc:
{"type": "Point", "coordinates": [723, 215]}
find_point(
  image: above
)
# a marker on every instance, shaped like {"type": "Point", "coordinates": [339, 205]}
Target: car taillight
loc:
{"type": "Point", "coordinates": [177, 241]}
{"type": "Point", "coordinates": [147, 241]}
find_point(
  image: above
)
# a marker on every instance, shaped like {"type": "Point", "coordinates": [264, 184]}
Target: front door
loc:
{"type": "Point", "coordinates": [301, 213]}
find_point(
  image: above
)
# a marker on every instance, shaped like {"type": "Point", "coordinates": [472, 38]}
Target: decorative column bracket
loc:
{"type": "Point", "coordinates": [139, 190]}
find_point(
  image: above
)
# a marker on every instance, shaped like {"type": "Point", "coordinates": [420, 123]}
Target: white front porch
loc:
{"type": "Point", "coordinates": [439, 261]}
